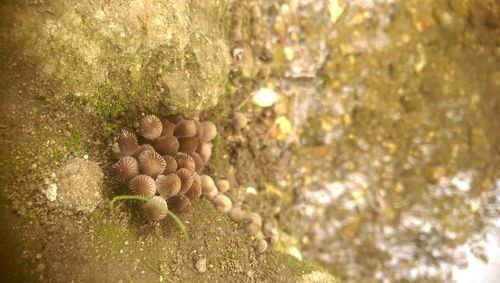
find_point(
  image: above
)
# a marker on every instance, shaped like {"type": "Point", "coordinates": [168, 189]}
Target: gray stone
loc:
{"type": "Point", "coordinates": [168, 52]}
{"type": "Point", "coordinates": [201, 265]}
{"type": "Point", "coordinates": [79, 185]}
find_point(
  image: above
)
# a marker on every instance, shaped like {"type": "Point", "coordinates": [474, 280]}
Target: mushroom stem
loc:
{"type": "Point", "coordinates": [145, 199]}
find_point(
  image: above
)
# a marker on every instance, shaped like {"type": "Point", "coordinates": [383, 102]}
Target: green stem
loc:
{"type": "Point", "coordinates": [145, 199]}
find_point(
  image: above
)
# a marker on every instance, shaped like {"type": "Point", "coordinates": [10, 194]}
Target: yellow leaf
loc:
{"type": "Point", "coordinates": [336, 8]}
{"type": "Point", "coordinates": [284, 126]}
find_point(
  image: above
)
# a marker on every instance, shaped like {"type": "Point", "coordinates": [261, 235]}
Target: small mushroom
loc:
{"type": "Point", "coordinates": [239, 121]}
{"type": "Point", "coordinates": [185, 160]}
{"type": "Point", "coordinates": [167, 127]}
{"type": "Point", "coordinates": [142, 148]}
{"type": "Point", "coordinates": [209, 131]}
{"type": "Point", "coordinates": [223, 186]}
{"type": "Point", "coordinates": [205, 151]}
{"type": "Point", "coordinates": [178, 202]}
{"type": "Point", "coordinates": [150, 127]}
{"type": "Point", "coordinates": [207, 184]}
{"type": "Point", "coordinates": [143, 185]}
{"type": "Point", "coordinates": [271, 234]}
{"type": "Point", "coordinates": [126, 168]}
{"type": "Point", "coordinates": [236, 214]}
{"type": "Point", "coordinates": [156, 208]}
{"type": "Point", "coordinates": [187, 179]}
{"type": "Point", "coordinates": [188, 144]}
{"type": "Point", "coordinates": [195, 191]}
{"type": "Point", "coordinates": [252, 223]}
{"type": "Point", "coordinates": [261, 246]}
{"type": "Point", "coordinates": [167, 145]}
{"type": "Point", "coordinates": [185, 129]}
{"type": "Point", "coordinates": [151, 163]}
{"type": "Point", "coordinates": [171, 165]}
{"type": "Point", "coordinates": [168, 185]}
{"type": "Point", "coordinates": [223, 203]}
{"type": "Point", "coordinates": [199, 165]}
{"type": "Point", "coordinates": [212, 194]}
{"type": "Point", "coordinates": [127, 142]}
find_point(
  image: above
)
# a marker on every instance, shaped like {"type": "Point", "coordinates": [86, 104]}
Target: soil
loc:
{"type": "Point", "coordinates": [42, 127]}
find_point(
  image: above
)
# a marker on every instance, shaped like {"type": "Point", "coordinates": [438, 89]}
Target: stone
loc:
{"type": "Point", "coordinates": [79, 185]}
{"type": "Point", "coordinates": [173, 45]}
{"type": "Point", "coordinates": [318, 276]}
{"type": "Point", "coordinates": [201, 265]}
{"type": "Point", "coordinates": [51, 192]}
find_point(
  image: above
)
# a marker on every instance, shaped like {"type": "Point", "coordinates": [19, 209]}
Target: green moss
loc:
{"type": "Point", "coordinates": [109, 233]}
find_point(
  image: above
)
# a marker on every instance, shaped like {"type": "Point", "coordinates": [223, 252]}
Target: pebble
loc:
{"type": "Point", "coordinates": [51, 192]}
{"type": "Point", "coordinates": [201, 265]}
{"type": "Point", "coordinates": [250, 273]}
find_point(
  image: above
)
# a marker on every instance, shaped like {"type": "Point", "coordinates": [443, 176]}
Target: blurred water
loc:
{"type": "Point", "coordinates": [397, 114]}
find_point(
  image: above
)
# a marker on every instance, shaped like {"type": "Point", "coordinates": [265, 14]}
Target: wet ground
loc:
{"type": "Point", "coordinates": [394, 107]}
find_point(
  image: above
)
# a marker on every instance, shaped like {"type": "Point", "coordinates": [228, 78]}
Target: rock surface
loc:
{"type": "Point", "coordinates": [170, 51]}
{"type": "Point", "coordinates": [79, 185]}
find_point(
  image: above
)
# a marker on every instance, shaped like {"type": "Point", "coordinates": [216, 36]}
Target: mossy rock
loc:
{"type": "Point", "coordinates": [171, 54]}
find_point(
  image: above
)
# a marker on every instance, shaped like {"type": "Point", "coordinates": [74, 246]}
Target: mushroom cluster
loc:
{"type": "Point", "coordinates": [165, 161]}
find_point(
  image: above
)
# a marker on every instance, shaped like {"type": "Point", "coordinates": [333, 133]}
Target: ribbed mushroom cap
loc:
{"type": "Point", "coordinates": [185, 160]}
{"type": "Point", "coordinates": [167, 145]}
{"type": "Point", "coordinates": [188, 144]}
{"type": "Point", "coordinates": [239, 121]}
{"type": "Point", "coordinates": [171, 165]}
{"type": "Point", "coordinates": [187, 179]}
{"type": "Point", "coordinates": [150, 127]}
{"type": "Point", "coordinates": [207, 184]}
{"type": "Point", "coordinates": [195, 191]}
{"type": "Point", "coordinates": [153, 208]}
{"type": "Point", "coordinates": [209, 131]}
{"type": "Point", "coordinates": [178, 202]}
{"type": "Point", "coordinates": [126, 168]}
{"type": "Point", "coordinates": [185, 129]}
{"type": "Point", "coordinates": [223, 203]}
{"type": "Point", "coordinates": [223, 186]}
{"type": "Point", "coordinates": [151, 163]}
{"type": "Point", "coordinates": [167, 127]}
{"type": "Point", "coordinates": [143, 185]}
{"type": "Point", "coordinates": [127, 141]}
{"type": "Point", "coordinates": [252, 223]}
{"type": "Point", "coordinates": [205, 151]}
{"type": "Point", "coordinates": [142, 148]}
{"type": "Point", "coordinates": [199, 165]}
{"type": "Point", "coordinates": [168, 185]}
